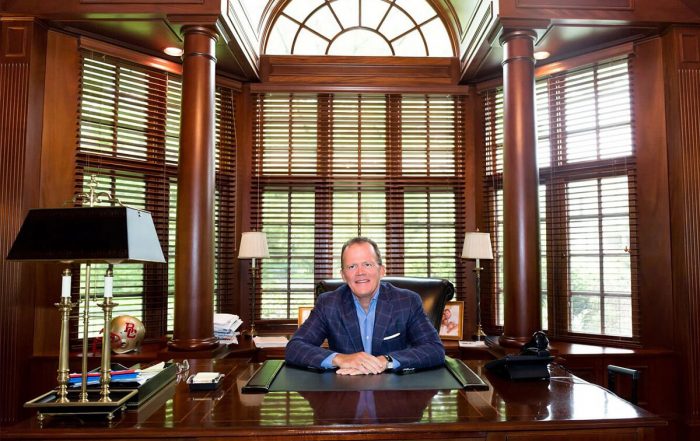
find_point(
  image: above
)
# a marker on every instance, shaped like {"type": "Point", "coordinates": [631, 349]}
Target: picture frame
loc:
{"type": "Point", "coordinates": [451, 325]}
{"type": "Point", "coordinates": [304, 312]}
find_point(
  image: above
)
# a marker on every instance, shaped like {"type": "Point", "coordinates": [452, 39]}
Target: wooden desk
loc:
{"type": "Point", "coordinates": [566, 408]}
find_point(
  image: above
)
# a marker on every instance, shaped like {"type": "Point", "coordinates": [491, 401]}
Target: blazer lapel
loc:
{"type": "Point", "coordinates": [350, 322]}
{"type": "Point", "coordinates": [382, 317]}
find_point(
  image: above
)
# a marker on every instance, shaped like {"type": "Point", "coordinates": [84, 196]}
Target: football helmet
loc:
{"type": "Point", "coordinates": [127, 334]}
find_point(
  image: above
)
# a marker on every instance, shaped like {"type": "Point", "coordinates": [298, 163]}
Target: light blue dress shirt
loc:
{"type": "Point", "coordinates": [366, 321]}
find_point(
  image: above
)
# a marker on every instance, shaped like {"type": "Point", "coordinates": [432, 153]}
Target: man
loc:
{"type": "Point", "coordinates": [370, 326]}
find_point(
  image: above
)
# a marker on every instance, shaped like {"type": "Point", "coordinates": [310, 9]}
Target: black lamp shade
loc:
{"type": "Point", "coordinates": [93, 234]}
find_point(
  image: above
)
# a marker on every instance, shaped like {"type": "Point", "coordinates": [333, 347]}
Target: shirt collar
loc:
{"type": "Point", "coordinates": [372, 300]}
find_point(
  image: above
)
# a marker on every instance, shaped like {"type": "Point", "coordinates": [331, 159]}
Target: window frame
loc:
{"type": "Point", "coordinates": [325, 265]}
{"type": "Point", "coordinates": [158, 170]}
{"type": "Point", "coordinates": [555, 177]}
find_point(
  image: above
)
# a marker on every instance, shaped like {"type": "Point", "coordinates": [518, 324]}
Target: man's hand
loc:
{"type": "Point", "coordinates": [359, 363]}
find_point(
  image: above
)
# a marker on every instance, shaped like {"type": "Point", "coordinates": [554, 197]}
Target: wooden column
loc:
{"type": "Point", "coordinates": [521, 259]}
{"type": "Point", "coordinates": [194, 247]}
{"type": "Point", "coordinates": [681, 49]}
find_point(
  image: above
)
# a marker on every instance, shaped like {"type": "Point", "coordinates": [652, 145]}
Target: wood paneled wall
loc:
{"type": "Point", "coordinates": [22, 54]}
{"type": "Point", "coordinates": [682, 74]}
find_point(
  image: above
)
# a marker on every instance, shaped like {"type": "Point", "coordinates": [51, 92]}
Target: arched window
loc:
{"type": "Point", "coordinates": [359, 27]}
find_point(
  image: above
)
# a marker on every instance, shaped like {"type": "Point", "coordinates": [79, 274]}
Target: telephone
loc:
{"type": "Point", "coordinates": [530, 364]}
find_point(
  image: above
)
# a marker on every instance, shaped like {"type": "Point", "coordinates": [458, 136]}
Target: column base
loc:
{"type": "Point", "coordinates": [512, 342]}
{"type": "Point", "coordinates": [193, 344]}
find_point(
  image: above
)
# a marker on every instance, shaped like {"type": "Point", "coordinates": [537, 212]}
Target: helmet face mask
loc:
{"type": "Point", "coordinates": [127, 334]}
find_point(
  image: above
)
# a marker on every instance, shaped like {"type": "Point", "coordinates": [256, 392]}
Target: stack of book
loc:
{"type": "Point", "coordinates": [147, 380]}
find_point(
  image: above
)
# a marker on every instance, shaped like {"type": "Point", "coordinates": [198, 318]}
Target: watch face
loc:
{"type": "Point", "coordinates": [389, 362]}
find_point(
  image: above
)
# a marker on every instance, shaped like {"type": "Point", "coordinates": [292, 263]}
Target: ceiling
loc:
{"type": "Point", "coordinates": [238, 46]}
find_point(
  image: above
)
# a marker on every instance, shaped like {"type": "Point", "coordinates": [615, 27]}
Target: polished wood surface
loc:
{"type": "Point", "coordinates": [565, 407]}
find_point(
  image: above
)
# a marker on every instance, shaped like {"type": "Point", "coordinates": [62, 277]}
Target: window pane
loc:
{"type": "Point", "coordinates": [323, 22]}
{"type": "Point", "coordinates": [359, 27]}
{"type": "Point", "coordinates": [360, 42]}
{"type": "Point", "coordinates": [585, 314]}
{"type": "Point", "coordinates": [308, 43]}
{"type": "Point", "coordinates": [395, 24]}
{"type": "Point", "coordinates": [410, 45]}
{"type": "Point", "coordinates": [287, 276]}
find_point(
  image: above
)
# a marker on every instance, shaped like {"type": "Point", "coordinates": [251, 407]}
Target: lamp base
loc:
{"type": "Point", "coordinates": [250, 333]}
{"type": "Point", "coordinates": [48, 404]}
{"type": "Point", "coordinates": [479, 332]}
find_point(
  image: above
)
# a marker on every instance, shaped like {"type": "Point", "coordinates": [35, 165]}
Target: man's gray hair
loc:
{"type": "Point", "coordinates": [359, 239]}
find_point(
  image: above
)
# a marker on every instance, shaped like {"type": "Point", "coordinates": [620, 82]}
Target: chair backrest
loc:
{"type": "Point", "coordinates": [634, 376]}
{"type": "Point", "coordinates": [434, 292]}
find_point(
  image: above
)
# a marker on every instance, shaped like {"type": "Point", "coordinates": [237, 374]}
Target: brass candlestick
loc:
{"type": "Point", "coordinates": [107, 305]}
{"type": "Point", "coordinates": [63, 373]}
{"type": "Point", "coordinates": [86, 322]}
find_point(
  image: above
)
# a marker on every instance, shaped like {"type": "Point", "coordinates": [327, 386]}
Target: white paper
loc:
{"type": "Point", "coordinates": [270, 342]}
{"type": "Point", "coordinates": [205, 377]}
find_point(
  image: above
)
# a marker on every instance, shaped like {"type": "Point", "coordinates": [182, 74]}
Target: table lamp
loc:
{"type": "Point", "coordinates": [253, 246]}
{"type": "Point", "coordinates": [477, 246]}
{"type": "Point", "coordinates": [112, 234]}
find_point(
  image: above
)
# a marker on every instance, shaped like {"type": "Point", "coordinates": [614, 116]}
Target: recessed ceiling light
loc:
{"type": "Point", "coordinates": [541, 55]}
{"type": "Point", "coordinates": [173, 51]}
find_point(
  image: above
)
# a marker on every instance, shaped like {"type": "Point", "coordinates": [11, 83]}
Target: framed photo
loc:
{"type": "Point", "coordinates": [451, 323]}
{"type": "Point", "coordinates": [304, 312]}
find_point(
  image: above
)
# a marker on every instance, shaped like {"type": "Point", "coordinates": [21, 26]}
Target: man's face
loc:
{"type": "Point", "coordinates": [360, 269]}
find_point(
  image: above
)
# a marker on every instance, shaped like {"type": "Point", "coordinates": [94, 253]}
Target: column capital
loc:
{"type": "Point", "coordinates": [518, 44]}
{"type": "Point", "coordinates": [512, 33]}
{"type": "Point", "coordinates": [199, 41]}
{"type": "Point", "coordinates": [199, 29]}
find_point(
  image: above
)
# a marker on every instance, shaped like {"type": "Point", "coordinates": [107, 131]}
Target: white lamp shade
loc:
{"type": "Point", "coordinates": [477, 246]}
{"type": "Point", "coordinates": [253, 246]}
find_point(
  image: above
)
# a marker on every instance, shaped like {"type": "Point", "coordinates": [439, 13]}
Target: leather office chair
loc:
{"type": "Point", "coordinates": [434, 292]}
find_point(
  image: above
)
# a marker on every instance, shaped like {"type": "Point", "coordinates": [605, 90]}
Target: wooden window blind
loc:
{"type": "Point", "coordinates": [129, 122]}
{"type": "Point", "coordinates": [588, 226]}
{"type": "Point", "coordinates": [329, 167]}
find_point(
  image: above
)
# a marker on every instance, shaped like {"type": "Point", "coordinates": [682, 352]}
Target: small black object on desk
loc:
{"type": "Point", "coordinates": [531, 364]}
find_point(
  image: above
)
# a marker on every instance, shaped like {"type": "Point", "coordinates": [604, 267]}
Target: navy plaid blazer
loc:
{"type": "Point", "coordinates": [401, 329]}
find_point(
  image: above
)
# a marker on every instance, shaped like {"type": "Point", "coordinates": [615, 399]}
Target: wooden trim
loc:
{"type": "Point", "coordinates": [618, 51]}
{"type": "Point", "coordinates": [129, 55]}
{"type": "Point", "coordinates": [90, 44]}
{"type": "Point", "coordinates": [147, 2]}
{"type": "Point", "coordinates": [654, 229]}
{"type": "Point", "coordinates": [313, 88]}
{"type": "Point", "coordinates": [616, 5]}
{"type": "Point", "coordinates": [372, 71]}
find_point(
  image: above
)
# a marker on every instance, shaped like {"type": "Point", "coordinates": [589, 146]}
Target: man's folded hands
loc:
{"type": "Point", "coordinates": [359, 363]}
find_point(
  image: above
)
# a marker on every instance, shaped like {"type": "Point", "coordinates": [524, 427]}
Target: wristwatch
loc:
{"type": "Point", "coordinates": [389, 362]}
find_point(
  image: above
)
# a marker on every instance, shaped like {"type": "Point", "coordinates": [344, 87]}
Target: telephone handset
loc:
{"type": "Point", "coordinates": [530, 364]}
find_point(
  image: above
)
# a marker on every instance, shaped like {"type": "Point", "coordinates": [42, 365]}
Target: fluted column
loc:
{"type": "Point", "coordinates": [521, 259]}
{"type": "Point", "coordinates": [194, 249]}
